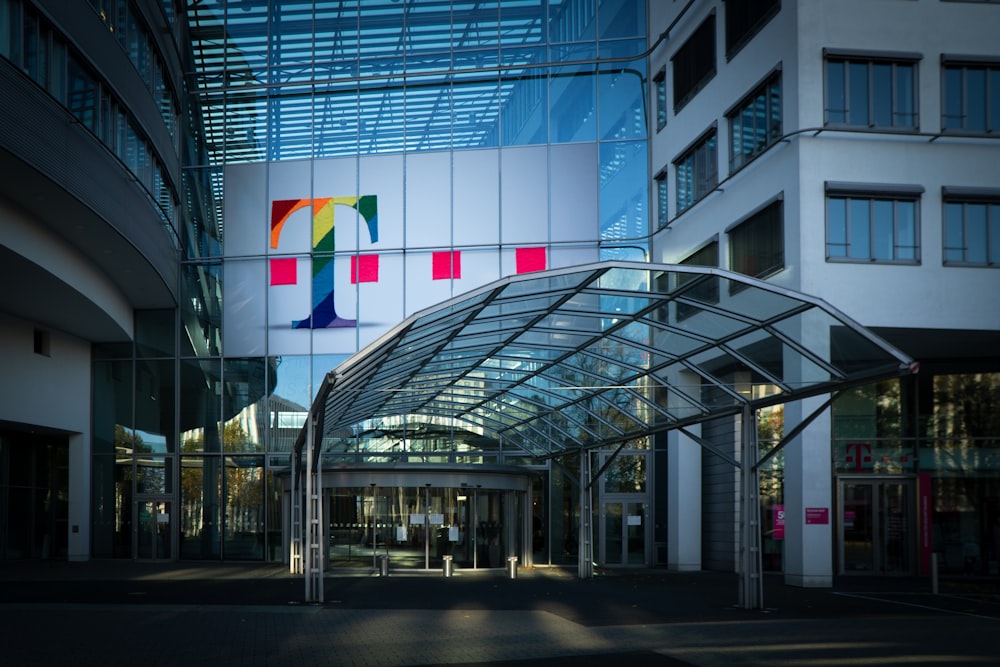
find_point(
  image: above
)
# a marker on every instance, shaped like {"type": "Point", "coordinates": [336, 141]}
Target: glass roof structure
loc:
{"type": "Point", "coordinates": [319, 78]}
{"type": "Point", "coordinates": [599, 354]}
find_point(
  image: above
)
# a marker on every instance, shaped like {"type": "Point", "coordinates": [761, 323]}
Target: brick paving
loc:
{"type": "Point", "coordinates": [124, 613]}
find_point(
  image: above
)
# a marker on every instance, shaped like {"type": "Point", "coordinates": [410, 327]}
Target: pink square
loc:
{"type": "Point", "coordinates": [364, 269]}
{"type": "Point", "coordinates": [446, 265]}
{"type": "Point", "coordinates": [284, 271]}
{"type": "Point", "coordinates": [529, 259]}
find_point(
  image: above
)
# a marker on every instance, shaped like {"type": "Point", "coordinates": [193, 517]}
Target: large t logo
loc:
{"type": "Point", "coordinates": [324, 312]}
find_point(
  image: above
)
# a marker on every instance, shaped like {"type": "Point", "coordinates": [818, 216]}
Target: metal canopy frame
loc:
{"type": "Point", "coordinates": [602, 354]}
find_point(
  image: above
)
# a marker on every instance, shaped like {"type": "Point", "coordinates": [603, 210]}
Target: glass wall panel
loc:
{"type": "Point", "coordinates": [201, 309]}
{"type": "Point", "coordinates": [244, 283]}
{"type": "Point", "coordinates": [243, 405]}
{"type": "Point", "coordinates": [201, 390]}
{"type": "Point", "coordinates": [620, 18]}
{"type": "Point", "coordinates": [572, 20]}
{"type": "Point", "coordinates": [289, 400]}
{"type": "Point", "coordinates": [476, 198]}
{"type": "Point", "coordinates": [201, 507]}
{"type": "Point", "coordinates": [111, 521]}
{"type": "Point", "coordinates": [475, 101]}
{"type": "Point", "coordinates": [336, 123]}
{"type": "Point", "coordinates": [565, 507]}
{"type": "Point", "coordinates": [244, 514]}
{"type": "Point", "coordinates": [524, 197]}
{"type": "Point", "coordinates": [573, 192]}
{"type": "Point", "coordinates": [112, 408]}
{"type": "Point", "coordinates": [523, 112]}
{"type": "Point", "coordinates": [626, 474]}
{"type": "Point", "coordinates": [154, 474]}
{"type": "Point", "coordinates": [622, 114]}
{"type": "Point", "coordinates": [573, 100]}
{"type": "Point", "coordinates": [624, 195]}
{"type": "Point", "coordinates": [154, 333]}
{"type": "Point", "coordinates": [154, 407]}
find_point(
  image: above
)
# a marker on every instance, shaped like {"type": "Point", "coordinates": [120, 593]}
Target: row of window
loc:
{"type": "Point", "coordinates": [34, 46]}
{"type": "Point", "coordinates": [862, 90]}
{"type": "Point", "coordinates": [122, 19]}
{"type": "Point", "coordinates": [867, 94]}
{"type": "Point", "coordinates": [870, 90]}
{"type": "Point", "coordinates": [869, 225]}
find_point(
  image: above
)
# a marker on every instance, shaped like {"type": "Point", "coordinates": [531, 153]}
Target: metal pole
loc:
{"type": "Point", "coordinates": [307, 552]}
{"type": "Point", "coordinates": [751, 582]}
{"type": "Point", "coordinates": [585, 560]}
{"type": "Point", "coordinates": [427, 526]}
{"type": "Point", "coordinates": [374, 529]}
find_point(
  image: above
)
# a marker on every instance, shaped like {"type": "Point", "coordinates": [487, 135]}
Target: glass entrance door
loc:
{"type": "Point", "coordinates": [623, 534]}
{"type": "Point", "coordinates": [154, 530]}
{"type": "Point", "coordinates": [416, 527]}
{"type": "Point", "coordinates": [876, 526]}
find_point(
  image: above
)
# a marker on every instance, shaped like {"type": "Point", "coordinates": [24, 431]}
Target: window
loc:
{"type": "Point", "coordinates": [755, 123]}
{"type": "Point", "coordinates": [877, 225]}
{"type": "Point", "coordinates": [744, 19]}
{"type": "Point", "coordinates": [661, 198]}
{"type": "Point", "coordinates": [971, 94]}
{"type": "Point", "coordinates": [705, 291]}
{"type": "Point", "coordinates": [697, 171]}
{"type": "Point", "coordinates": [660, 83]}
{"type": "Point", "coordinates": [971, 227]}
{"type": "Point", "coordinates": [757, 245]}
{"type": "Point", "coordinates": [871, 92]}
{"type": "Point", "coordinates": [694, 63]}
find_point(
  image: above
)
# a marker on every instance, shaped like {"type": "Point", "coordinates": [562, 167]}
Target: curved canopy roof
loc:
{"type": "Point", "coordinates": [602, 353]}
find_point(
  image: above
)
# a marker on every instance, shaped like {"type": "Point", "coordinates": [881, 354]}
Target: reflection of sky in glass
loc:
{"type": "Point", "coordinates": [151, 442]}
{"type": "Point", "coordinates": [292, 380]}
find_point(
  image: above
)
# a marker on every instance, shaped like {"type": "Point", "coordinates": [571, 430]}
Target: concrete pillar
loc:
{"type": "Point", "coordinates": [683, 501]}
{"type": "Point", "coordinates": [808, 496]}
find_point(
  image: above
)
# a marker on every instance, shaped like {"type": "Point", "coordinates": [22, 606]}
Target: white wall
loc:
{"type": "Point", "coordinates": [52, 391]}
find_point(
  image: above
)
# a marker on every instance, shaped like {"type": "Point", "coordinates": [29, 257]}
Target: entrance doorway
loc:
{"type": "Point", "coordinates": [153, 535]}
{"type": "Point", "coordinates": [877, 526]}
{"type": "Point", "coordinates": [416, 527]}
{"type": "Point", "coordinates": [623, 534]}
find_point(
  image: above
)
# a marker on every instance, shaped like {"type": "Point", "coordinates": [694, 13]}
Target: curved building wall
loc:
{"type": "Point", "coordinates": [90, 153]}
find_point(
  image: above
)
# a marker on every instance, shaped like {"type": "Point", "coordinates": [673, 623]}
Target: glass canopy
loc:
{"type": "Point", "coordinates": [599, 354]}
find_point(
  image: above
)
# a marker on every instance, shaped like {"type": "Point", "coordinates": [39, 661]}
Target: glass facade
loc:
{"type": "Point", "coordinates": [351, 164]}
{"type": "Point", "coordinates": [348, 165]}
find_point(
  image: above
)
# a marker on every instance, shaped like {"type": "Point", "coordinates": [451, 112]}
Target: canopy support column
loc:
{"type": "Point", "coordinates": [295, 509]}
{"type": "Point", "coordinates": [313, 553]}
{"type": "Point", "coordinates": [585, 552]}
{"type": "Point", "coordinates": [751, 581]}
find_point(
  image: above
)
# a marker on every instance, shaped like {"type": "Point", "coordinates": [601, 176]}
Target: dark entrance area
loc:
{"type": "Point", "coordinates": [34, 482]}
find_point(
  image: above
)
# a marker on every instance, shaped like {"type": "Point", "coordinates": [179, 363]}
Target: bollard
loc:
{"type": "Point", "coordinates": [447, 566]}
{"type": "Point", "coordinates": [512, 567]}
{"type": "Point", "coordinates": [383, 566]}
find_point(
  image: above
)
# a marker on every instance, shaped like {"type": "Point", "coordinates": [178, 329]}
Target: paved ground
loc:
{"type": "Point", "coordinates": [111, 613]}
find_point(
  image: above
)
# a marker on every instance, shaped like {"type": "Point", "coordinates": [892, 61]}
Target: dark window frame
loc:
{"type": "Point", "coordinates": [866, 199]}
{"type": "Point", "coordinates": [960, 200]}
{"type": "Point", "coordinates": [744, 19]}
{"type": "Point", "coordinates": [694, 63]}
{"type": "Point", "coordinates": [701, 156]}
{"type": "Point", "coordinates": [771, 219]}
{"type": "Point", "coordinates": [769, 89]}
{"type": "Point", "coordinates": [662, 190]}
{"type": "Point", "coordinates": [841, 70]}
{"type": "Point", "coordinates": [660, 96]}
{"type": "Point", "coordinates": [957, 121]}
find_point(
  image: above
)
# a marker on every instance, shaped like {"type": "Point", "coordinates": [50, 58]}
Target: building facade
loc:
{"type": "Point", "coordinates": [211, 207]}
{"type": "Point", "coordinates": [839, 149]}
